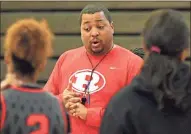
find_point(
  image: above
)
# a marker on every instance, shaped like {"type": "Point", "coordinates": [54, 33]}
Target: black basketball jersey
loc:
{"type": "Point", "coordinates": [31, 110]}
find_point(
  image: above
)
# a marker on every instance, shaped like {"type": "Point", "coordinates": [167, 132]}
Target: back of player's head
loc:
{"type": "Point", "coordinates": [138, 51]}
{"type": "Point", "coordinates": [167, 30]}
{"type": "Point", "coordinates": [28, 43]}
{"type": "Point", "coordinates": [94, 8]}
{"type": "Point", "coordinates": [166, 38]}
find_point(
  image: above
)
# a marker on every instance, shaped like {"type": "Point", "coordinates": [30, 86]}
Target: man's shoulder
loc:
{"type": "Point", "coordinates": [74, 50]}
{"type": "Point", "coordinates": [127, 53]}
{"type": "Point", "coordinates": [71, 52]}
{"type": "Point", "coordinates": [123, 50]}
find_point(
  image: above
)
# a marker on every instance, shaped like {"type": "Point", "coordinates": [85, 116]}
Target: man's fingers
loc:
{"type": "Point", "coordinates": [74, 106]}
{"type": "Point", "coordinates": [72, 111]}
{"type": "Point", "coordinates": [67, 97]}
{"type": "Point", "coordinates": [77, 94]}
{"type": "Point", "coordinates": [67, 105]}
{"type": "Point", "coordinates": [75, 100]}
{"type": "Point", "coordinates": [68, 94]}
{"type": "Point", "coordinates": [71, 94]}
{"type": "Point", "coordinates": [69, 90]}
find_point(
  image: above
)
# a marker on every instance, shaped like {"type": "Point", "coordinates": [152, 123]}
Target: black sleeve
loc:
{"type": "Point", "coordinates": [116, 119]}
{"type": "Point", "coordinates": [110, 125]}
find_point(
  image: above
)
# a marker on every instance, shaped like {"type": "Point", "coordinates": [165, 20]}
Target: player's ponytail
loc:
{"type": "Point", "coordinates": [166, 37]}
{"type": "Point", "coordinates": [168, 80]}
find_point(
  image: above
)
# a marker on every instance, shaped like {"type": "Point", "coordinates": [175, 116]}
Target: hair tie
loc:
{"type": "Point", "coordinates": [155, 49]}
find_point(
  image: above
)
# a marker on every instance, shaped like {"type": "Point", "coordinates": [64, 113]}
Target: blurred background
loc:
{"type": "Point", "coordinates": [62, 16]}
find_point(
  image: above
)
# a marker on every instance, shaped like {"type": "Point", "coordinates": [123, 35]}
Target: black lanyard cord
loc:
{"type": "Point", "coordinates": [86, 91]}
{"type": "Point", "coordinates": [93, 69]}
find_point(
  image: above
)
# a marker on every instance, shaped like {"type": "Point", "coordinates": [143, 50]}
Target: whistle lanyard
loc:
{"type": "Point", "coordinates": [86, 91]}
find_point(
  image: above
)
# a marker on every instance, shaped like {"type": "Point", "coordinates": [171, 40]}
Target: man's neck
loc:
{"type": "Point", "coordinates": [102, 53]}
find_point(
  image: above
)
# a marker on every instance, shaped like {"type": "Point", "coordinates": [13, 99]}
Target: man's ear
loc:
{"type": "Point", "coordinates": [112, 26]}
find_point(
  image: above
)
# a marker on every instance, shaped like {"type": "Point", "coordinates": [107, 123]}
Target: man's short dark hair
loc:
{"type": "Point", "coordinates": [94, 8]}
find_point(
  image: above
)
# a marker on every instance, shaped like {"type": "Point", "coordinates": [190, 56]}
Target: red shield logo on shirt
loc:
{"type": "Point", "coordinates": [81, 78]}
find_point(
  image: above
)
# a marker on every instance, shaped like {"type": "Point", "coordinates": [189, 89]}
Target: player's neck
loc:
{"type": "Point", "coordinates": [25, 78]}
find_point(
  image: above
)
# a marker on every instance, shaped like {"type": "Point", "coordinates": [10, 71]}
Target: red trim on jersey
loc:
{"type": "Point", "coordinates": [31, 90]}
{"type": "Point", "coordinates": [64, 116]}
{"type": "Point", "coordinates": [3, 112]}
